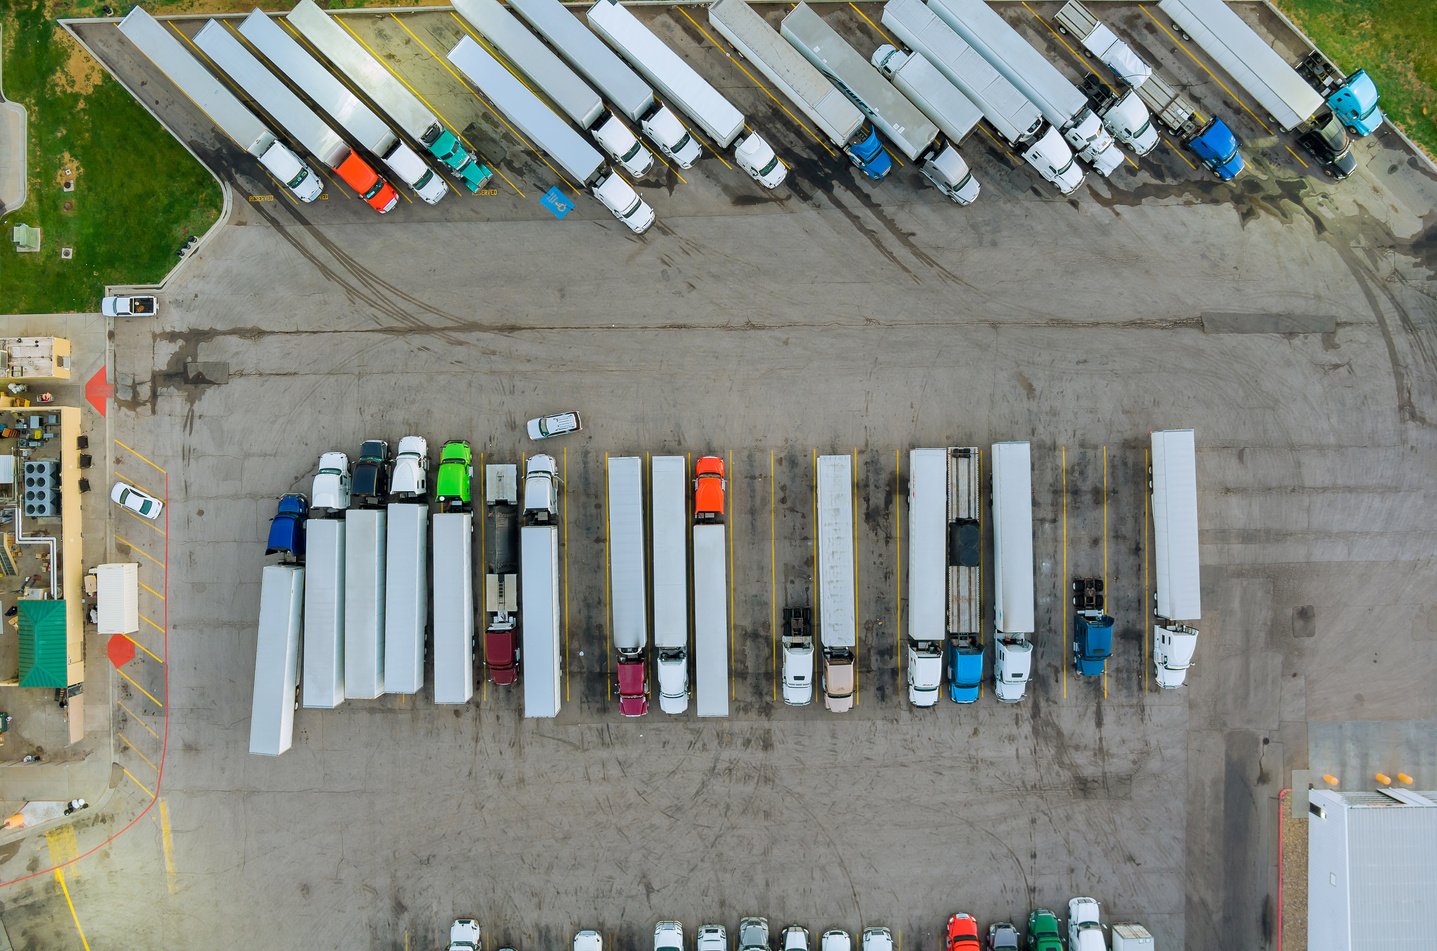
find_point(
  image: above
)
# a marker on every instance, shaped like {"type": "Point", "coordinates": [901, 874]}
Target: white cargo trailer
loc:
{"type": "Point", "coordinates": [324, 613]}
{"type": "Point", "coordinates": [117, 597]}
{"type": "Point", "coordinates": [669, 488]}
{"type": "Point", "coordinates": [1177, 586]}
{"type": "Point", "coordinates": [711, 686]}
{"type": "Point", "coordinates": [837, 609]}
{"type": "Point", "coordinates": [539, 608]}
{"type": "Point", "coordinates": [222, 107]}
{"type": "Point", "coordinates": [1125, 115]}
{"type": "Point", "coordinates": [276, 660]}
{"type": "Point", "coordinates": [629, 602]}
{"type": "Point", "coordinates": [684, 87]}
{"type": "Point", "coordinates": [453, 654]}
{"type": "Point", "coordinates": [364, 543]}
{"type": "Point", "coordinates": [927, 572]}
{"type": "Point", "coordinates": [406, 596]}
{"type": "Point", "coordinates": [1013, 589]}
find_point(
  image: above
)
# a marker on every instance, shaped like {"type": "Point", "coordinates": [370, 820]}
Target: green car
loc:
{"type": "Point", "coordinates": [1043, 931]}
{"type": "Point", "coordinates": [456, 461]}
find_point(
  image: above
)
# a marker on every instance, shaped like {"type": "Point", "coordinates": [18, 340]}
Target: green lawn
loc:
{"type": "Point", "coordinates": [1394, 40]}
{"type": "Point", "coordinates": [138, 194]}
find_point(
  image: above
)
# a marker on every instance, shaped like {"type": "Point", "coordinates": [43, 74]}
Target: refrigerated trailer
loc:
{"type": "Point", "coordinates": [711, 686]}
{"type": "Point", "coordinates": [964, 616]}
{"type": "Point", "coordinates": [324, 613]}
{"type": "Point", "coordinates": [837, 610]}
{"type": "Point", "coordinates": [1012, 569]}
{"type": "Point", "coordinates": [927, 575]}
{"type": "Point", "coordinates": [453, 653]}
{"type": "Point", "coordinates": [539, 604]}
{"type": "Point", "coordinates": [364, 544]}
{"type": "Point", "coordinates": [629, 602]}
{"type": "Point", "coordinates": [1124, 113]}
{"type": "Point", "coordinates": [406, 596]}
{"type": "Point", "coordinates": [223, 107]}
{"type": "Point", "coordinates": [668, 487]}
{"type": "Point", "coordinates": [276, 660]}
{"type": "Point", "coordinates": [1177, 596]}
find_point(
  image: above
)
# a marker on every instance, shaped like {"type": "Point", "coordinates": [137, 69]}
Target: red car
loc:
{"type": "Point", "coordinates": [962, 933]}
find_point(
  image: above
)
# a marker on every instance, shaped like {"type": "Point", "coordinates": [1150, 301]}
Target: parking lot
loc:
{"type": "Point", "coordinates": [832, 315]}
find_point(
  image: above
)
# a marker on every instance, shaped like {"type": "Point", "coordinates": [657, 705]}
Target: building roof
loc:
{"type": "Point", "coordinates": [42, 644]}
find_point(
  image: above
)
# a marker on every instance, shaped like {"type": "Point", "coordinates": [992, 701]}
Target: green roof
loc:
{"type": "Point", "coordinates": [42, 644]}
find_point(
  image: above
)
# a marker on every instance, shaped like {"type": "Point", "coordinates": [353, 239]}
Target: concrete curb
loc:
{"type": "Point", "coordinates": [15, 113]}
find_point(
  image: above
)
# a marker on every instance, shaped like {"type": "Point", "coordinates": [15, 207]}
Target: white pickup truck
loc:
{"type": "Point", "coordinates": [129, 306]}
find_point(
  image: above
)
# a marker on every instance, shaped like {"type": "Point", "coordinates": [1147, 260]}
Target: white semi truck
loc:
{"type": "Point", "coordinates": [1059, 100]}
{"type": "Point", "coordinates": [501, 574]}
{"type": "Point", "coordinates": [818, 99]}
{"type": "Point", "coordinates": [386, 91]}
{"type": "Point", "coordinates": [539, 587]}
{"type": "Point", "coordinates": [914, 134]}
{"type": "Point", "coordinates": [1124, 113]}
{"type": "Point", "coordinates": [1016, 120]}
{"type": "Point", "coordinates": [629, 600]}
{"type": "Point", "coordinates": [365, 538]}
{"type": "Point", "coordinates": [1013, 569]}
{"type": "Point", "coordinates": [453, 654]}
{"type": "Point", "coordinates": [1177, 586]}
{"type": "Point", "coordinates": [551, 135]}
{"type": "Point", "coordinates": [406, 596]}
{"type": "Point", "coordinates": [668, 477]}
{"type": "Point", "coordinates": [601, 66]}
{"type": "Point", "coordinates": [560, 84]}
{"type": "Point", "coordinates": [327, 92]}
{"type": "Point", "coordinates": [324, 613]}
{"type": "Point", "coordinates": [927, 572]}
{"type": "Point", "coordinates": [687, 90]}
{"type": "Point", "coordinates": [223, 107]}
{"type": "Point", "coordinates": [837, 620]}
{"type": "Point", "coordinates": [276, 660]}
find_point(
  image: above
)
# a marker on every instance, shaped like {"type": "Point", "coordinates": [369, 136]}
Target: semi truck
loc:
{"type": "Point", "coordinates": [1013, 569]}
{"type": "Point", "coordinates": [927, 575]}
{"type": "Point", "coordinates": [668, 520]}
{"type": "Point", "coordinates": [837, 623]}
{"type": "Point", "coordinates": [324, 613]}
{"type": "Point", "coordinates": [385, 90]}
{"type": "Point", "coordinates": [820, 102]}
{"type": "Point", "coordinates": [798, 656]}
{"type": "Point", "coordinates": [965, 576]}
{"type": "Point", "coordinates": [611, 76]}
{"type": "Point", "coordinates": [1292, 95]}
{"type": "Point", "coordinates": [686, 89]}
{"type": "Point", "coordinates": [560, 84]}
{"type": "Point", "coordinates": [910, 131]}
{"type": "Point", "coordinates": [1177, 595]}
{"type": "Point", "coordinates": [453, 653]}
{"type": "Point", "coordinates": [1016, 120]}
{"type": "Point", "coordinates": [551, 135]}
{"type": "Point", "coordinates": [1211, 141]}
{"type": "Point", "coordinates": [627, 589]}
{"type": "Point", "coordinates": [539, 587]}
{"type": "Point", "coordinates": [296, 118]}
{"type": "Point", "coordinates": [710, 619]}
{"type": "Point", "coordinates": [365, 535]}
{"type": "Point", "coordinates": [223, 107]}
{"type": "Point", "coordinates": [1092, 628]}
{"type": "Point", "coordinates": [276, 660]}
{"type": "Point", "coordinates": [1061, 103]}
{"type": "Point", "coordinates": [406, 596]}
{"type": "Point", "coordinates": [324, 90]}
{"type": "Point", "coordinates": [501, 574]}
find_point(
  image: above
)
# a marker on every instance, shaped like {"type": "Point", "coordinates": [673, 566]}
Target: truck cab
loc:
{"type": "Point", "coordinates": [1092, 628]}
{"type": "Point", "coordinates": [446, 147]}
{"type": "Point", "coordinates": [709, 487]}
{"type": "Point", "coordinates": [633, 685]}
{"type": "Point", "coordinates": [925, 672]}
{"type": "Point", "coordinates": [286, 530]}
{"type": "Point", "coordinates": [1218, 148]}
{"type": "Point", "coordinates": [410, 476]}
{"type": "Point", "coordinates": [1085, 927]}
{"type": "Point", "coordinates": [758, 158]}
{"type": "Point", "coordinates": [623, 146]}
{"type": "Point", "coordinates": [501, 651]}
{"type": "Point", "coordinates": [451, 484]}
{"type": "Point", "coordinates": [624, 204]}
{"type": "Point", "coordinates": [371, 472]}
{"type": "Point", "coordinates": [406, 163]}
{"type": "Point", "coordinates": [797, 656]}
{"type": "Point", "coordinates": [1012, 667]}
{"type": "Point", "coordinates": [367, 183]}
{"type": "Point", "coordinates": [1043, 932]}
{"type": "Point", "coordinates": [867, 153]}
{"type": "Point", "coordinates": [965, 667]}
{"type": "Point", "coordinates": [753, 934]}
{"type": "Point", "coordinates": [838, 680]}
{"type": "Point", "coordinates": [673, 664]}
{"type": "Point", "coordinates": [1173, 648]}
{"type": "Point", "coordinates": [541, 483]}
{"type": "Point", "coordinates": [331, 489]}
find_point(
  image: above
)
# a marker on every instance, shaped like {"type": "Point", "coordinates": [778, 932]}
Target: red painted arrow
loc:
{"type": "Point", "coordinates": [98, 392]}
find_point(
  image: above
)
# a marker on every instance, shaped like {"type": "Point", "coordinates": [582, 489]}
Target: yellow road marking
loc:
{"type": "Point", "coordinates": [1107, 595]}
{"type": "Point", "coordinates": [888, 39]}
{"type": "Point", "coordinates": [63, 844]}
{"type": "Point", "coordinates": [853, 493]}
{"type": "Point", "coordinates": [137, 718]}
{"type": "Point", "coordinates": [1295, 155]}
{"type": "Point", "coordinates": [138, 550]}
{"type": "Point", "coordinates": [69, 903]}
{"type": "Point", "coordinates": [126, 740]}
{"type": "Point", "coordinates": [703, 141]}
{"type": "Point", "coordinates": [152, 591]}
{"type": "Point", "coordinates": [167, 841]}
{"type": "Point", "coordinates": [898, 572]}
{"type": "Point", "coordinates": [142, 647]}
{"type": "Point", "coordinates": [564, 495]}
{"type": "Point", "coordinates": [732, 522]}
{"type": "Point", "coordinates": [1180, 153]}
{"type": "Point", "coordinates": [139, 688]}
{"type": "Point", "coordinates": [608, 604]}
{"type": "Point", "coordinates": [1147, 594]}
{"type": "Point", "coordinates": [137, 782]}
{"type": "Point", "coordinates": [772, 576]}
{"type": "Point", "coordinates": [145, 522]}
{"type": "Point", "coordinates": [140, 457]}
{"type": "Point", "coordinates": [139, 485]}
{"type": "Point", "coordinates": [1204, 68]}
{"type": "Point", "coordinates": [1067, 632]}
{"type": "Point", "coordinates": [998, 142]}
{"type": "Point", "coordinates": [152, 624]}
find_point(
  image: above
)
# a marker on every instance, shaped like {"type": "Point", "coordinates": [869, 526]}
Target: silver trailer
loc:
{"type": "Point", "coordinates": [539, 604]}
{"type": "Point", "coordinates": [627, 565]}
{"type": "Point", "coordinates": [837, 610]}
{"type": "Point", "coordinates": [669, 500]}
{"type": "Point", "coordinates": [364, 585]}
{"type": "Point", "coordinates": [276, 660]}
{"type": "Point", "coordinates": [324, 613]}
{"type": "Point", "coordinates": [1012, 569]}
{"type": "Point", "coordinates": [965, 579]}
{"type": "Point", "coordinates": [406, 596]}
{"type": "Point", "coordinates": [711, 687]}
{"type": "Point", "coordinates": [453, 654]}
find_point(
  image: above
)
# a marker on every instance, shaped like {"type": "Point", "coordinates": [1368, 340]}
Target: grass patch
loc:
{"type": "Point", "coordinates": [1394, 40]}
{"type": "Point", "coordinates": [138, 194]}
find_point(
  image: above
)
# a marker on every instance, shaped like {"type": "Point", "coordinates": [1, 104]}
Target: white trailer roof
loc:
{"type": "Point", "coordinates": [501, 484]}
{"type": "Point", "coordinates": [117, 597]}
{"type": "Point", "coordinates": [223, 107]}
{"type": "Point", "coordinates": [600, 65]}
{"type": "Point", "coordinates": [453, 654]}
{"type": "Point", "coordinates": [574, 97]}
{"type": "Point", "coordinates": [1013, 537]}
{"type": "Point", "coordinates": [785, 67]}
{"type": "Point", "coordinates": [927, 543]}
{"type": "Point", "coordinates": [317, 82]}
{"type": "Point", "coordinates": [544, 130]}
{"type": "Point", "coordinates": [630, 603]}
{"type": "Point", "coordinates": [364, 543]}
{"type": "Point", "coordinates": [273, 96]}
{"type": "Point", "coordinates": [938, 98]}
{"type": "Point", "coordinates": [324, 613]}
{"type": "Point", "coordinates": [711, 687]}
{"type": "Point", "coordinates": [669, 485]}
{"type": "Point", "coordinates": [1248, 58]}
{"type": "Point", "coordinates": [897, 118]}
{"type": "Point", "coordinates": [837, 626]}
{"type": "Point", "coordinates": [539, 618]}
{"type": "Point", "coordinates": [406, 596]}
{"type": "Point", "coordinates": [276, 660]}
{"type": "Point", "coordinates": [1175, 526]}
{"type": "Point", "coordinates": [667, 71]}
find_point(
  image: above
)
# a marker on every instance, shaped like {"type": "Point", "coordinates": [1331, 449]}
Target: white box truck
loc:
{"type": "Point", "coordinates": [560, 84]}
{"type": "Point", "coordinates": [1016, 120]}
{"type": "Point", "coordinates": [223, 107]}
{"type": "Point", "coordinates": [1131, 937]}
{"type": "Point", "coordinates": [711, 686]}
{"type": "Point", "coordinates": [324, 613]}
{"type": "Point", "coordinates": [668, 522]}
{"type": "Point", "coordinates": [551, 135]}
{"type": "Point", "coordinates": [1013, 569]}
{"type": "Point", "coordinates": [686, 89]}
{"type": "Point", "coordinates": [453, 654]}
{"type": "Point", "coordinates": [539, 607]}
{"type": "Point", "coordinates": [276, 660]}
{"type": "Point", "coordinates": [837, 609]}
{"type": "Point", "coordinates": [901, 122]}
{"type": "Point", "coordinates": [117, 597]}
{"type": "Point", "coordinates": [406, 596]}
{"type": "Point", "coordinates": [628, 591]}
{"type": "Point", "coordinates": [927, 572]}
{"type": "Point", "coordinates": [1177, 595]}
{"type": "Point", "coordinates": [326, 91]}
{"type": "Point", "coordinates": [364, 543]}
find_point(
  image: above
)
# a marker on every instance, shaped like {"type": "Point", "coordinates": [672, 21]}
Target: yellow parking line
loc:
{"type": "Point", "coordinates": [888, 39]}
{"type": "Point", "coordinates": [167, 841]}
{"type": "Point", "coordinates": [145, 522]}
{"type": "Point", "coordinates": [853, 491]}
{"type": "Point", "coordinates": [1295, 155]}
{"type": "Point", "coordinates": [152, 591]}
{"type": "Point", "coordinates": [1180, 153]}
{"type": "Point", "coordinates": [772, 576]}
{"type": "Point", "coordinates": [143, 648]}
{"type": "Point", "coordinates": [152, 624]}
{"type": "Point", "coordinates": [139, 688]}
{"type": "Point", "coordinates": [137, 782]}
{"type": "Point", "coordinates": [140, 457]}
{"type": "Point", "coordinates": [126, 740]}
{"type": "Point", "coordinates": [138, 550]}
{"type": "Point", "coordinates": [1067, 633]}
{"type": "Point", "coordinates": [898, 549]}
{"type": "Point", "coordinates": [728, 473]}
{"type": "Point", "coordinates": [137, 718]}
{"type": "Point", "coordinates": [608, 604]}
{"type": "Point", "coordinates": [1204, 68]}
{"type": "Point", "coordinates": [139, 485]}
{"type": "Point", "coordinates": [65, 889]}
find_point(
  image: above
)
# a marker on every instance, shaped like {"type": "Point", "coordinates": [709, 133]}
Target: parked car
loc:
{"type": "Point", "coordinates": [1002, 936]}
{"type": "Point", "coordinates": [456, 465]}
{"type": "Point", "coordinates": [371, 472]}
{"type": "Point", "coordinates": [711, 938]}
{"type": "Point", "coordinates": [555, 424]}
{"type": "Point", "coordinates": [1085, 926]}
{"type": "Point", "coordinates": [669, 936]}
{"type": "Point", "coordinates": [588, 940]}
{"type": "Point", "coordinates": [1330, 144]}
{"type": "Point", "coordinates": [410, 476]}
{"type": "Point", "coordinates": [835, 940]}
{"type": "Point", "coordinates": [1043, 931]}
{"type": "Point", "coordinates": [464, 935]}
{"type": "Point", "coordinates": [141, 306]}
{"type": "Point", "coordinates": [753, 934]}
{"type": "Point", "coordinates": [286, 529]}
{"type": "Point", "coordinates": [962, 933]}
{"type": "Point", "coordinates": [795, 938]}
{"type": "Point", "coordinates": [331, 489]}
{"type": "Point", "coordinates": [141, 503]}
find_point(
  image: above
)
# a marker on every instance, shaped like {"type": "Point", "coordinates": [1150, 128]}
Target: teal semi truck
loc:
{"type": "Point", "coordinates": [1092, 628]}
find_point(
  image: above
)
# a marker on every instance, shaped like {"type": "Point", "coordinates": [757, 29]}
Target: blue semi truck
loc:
{"type": "Point", "coordinates": [1092, 628]}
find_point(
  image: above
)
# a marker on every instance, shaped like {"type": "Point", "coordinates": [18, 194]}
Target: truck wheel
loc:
{"type": "Point", "coordinates": [1352, 130]}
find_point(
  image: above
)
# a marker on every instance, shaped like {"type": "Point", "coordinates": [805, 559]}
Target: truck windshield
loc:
{"type": "Point", "coordinates": [303, 174]}
{"type": "Point", "coordinates": [634, 208]}
{"type": "Point", "coordinates": [1064, 170]}
{"type": "Point", "coordinates": [629, 155]}
{"type": "Point", "coordinates": [769, 167]}
{"type": "Point", "coordinates": [679, 145]}
{"type": "Point", "coordinates": [1144, 130]}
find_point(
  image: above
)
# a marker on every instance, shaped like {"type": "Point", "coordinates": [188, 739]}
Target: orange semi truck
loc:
{"type": "Point", "coordinates": [709, 486]}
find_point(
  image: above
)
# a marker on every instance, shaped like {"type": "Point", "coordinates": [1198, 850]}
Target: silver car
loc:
{"type": "Point", "coordinates": [555, 424]}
